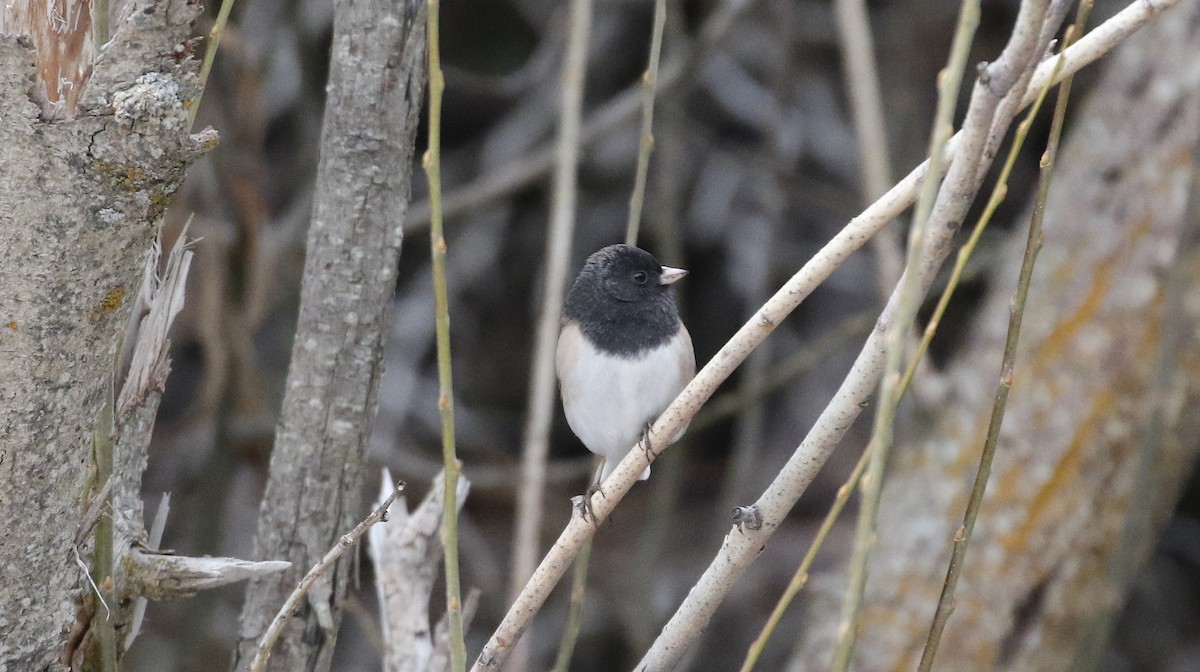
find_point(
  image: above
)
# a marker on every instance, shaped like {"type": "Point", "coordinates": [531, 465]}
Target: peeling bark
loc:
{"type": "Point", "coordinates": [407, 555]}
{"type": "Point", "coordinates": [80, 203]}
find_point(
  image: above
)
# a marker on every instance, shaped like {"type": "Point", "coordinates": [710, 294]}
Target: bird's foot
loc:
{"type": "Point", "coordinates": [583, 503]}
{"type": "Point", "coordinates": [645, 442]}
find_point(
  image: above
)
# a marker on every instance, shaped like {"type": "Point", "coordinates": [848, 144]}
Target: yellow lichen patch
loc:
{"type": "Point", "coordinates": [1066, 472]}
{"type": "Point", "coordinates": [111, 301]}
{"type": "Point", "coordinates": [916, 631]}
{"type": "Point", "coordinates": [967, 458]}
{"type": "Point", "coordinates": [1007, 484]}
{"type": "Point", "coordinates": [1063, 336]}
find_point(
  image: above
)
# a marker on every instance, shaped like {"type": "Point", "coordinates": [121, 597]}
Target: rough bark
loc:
{"type": "Point", "coordinates": [315, 483]}
{"type": "Point", "coordinates": [79, 205]}
{"type": "Point", "coordinates": [1098, 434]}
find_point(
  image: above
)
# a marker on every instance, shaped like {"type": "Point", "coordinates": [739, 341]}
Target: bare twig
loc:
{"type": "Point", "coordinates": [440, 660]}
{"type": "Point", "coordinates": [866, 104]}
{"type": "Point", "coordinates": [575, 610]}
{"type": "Point", "coordinates": [1033, 245]}
{"type": "Point", "coordinates": [742, 546]}
{"type": "Point", "coordinates": [437, 241]}
{"type": "Point", "coordinates": [800, 577]}
{"type": "Point", "coordinates": [558, 252]}
{"type": "Point", "coordinates": [103, 439]}
{"type": "Point", "coordinates": [210, 55]}
{"type": "Point", "coordinates": [646, 139]}
{"type": "Point", "coordinates": [909, 292]}
{"type": "Point", "coordinates": [263, 654]}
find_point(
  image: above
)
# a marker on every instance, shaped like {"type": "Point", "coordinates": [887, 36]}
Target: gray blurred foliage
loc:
{"type": "Point", "coordinates": [754, 168]}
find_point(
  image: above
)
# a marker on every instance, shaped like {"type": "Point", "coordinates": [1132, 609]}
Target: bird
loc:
{"type": "Point", "coordinates": [623, 353]}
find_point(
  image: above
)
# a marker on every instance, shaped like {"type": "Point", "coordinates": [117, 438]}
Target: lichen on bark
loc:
{"type": "Point", "coordinates": [82, 193]}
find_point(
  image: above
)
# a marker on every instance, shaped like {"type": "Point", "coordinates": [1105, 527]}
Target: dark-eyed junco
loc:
{"type": "Point", "coordinates": [623, 354]}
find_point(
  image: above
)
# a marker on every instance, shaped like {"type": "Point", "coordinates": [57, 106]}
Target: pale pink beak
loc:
{"type": "Point", "coordinates": [670, 275]}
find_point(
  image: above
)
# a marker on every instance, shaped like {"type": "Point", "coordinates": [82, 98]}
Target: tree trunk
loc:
{"type": "Point", "coordinates": [1098, 435]}
{"type": "Point", "coordinates": [79, 206]}
{"type": "Point", "coordinates": [314, 490]}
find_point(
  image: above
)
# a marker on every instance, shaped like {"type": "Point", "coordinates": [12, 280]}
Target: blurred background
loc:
{"type": "Point", "coordinates": [755, 167]}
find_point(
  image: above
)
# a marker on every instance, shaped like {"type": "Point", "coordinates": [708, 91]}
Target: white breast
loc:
{"type": "Point", "coordinates": [609, 400]}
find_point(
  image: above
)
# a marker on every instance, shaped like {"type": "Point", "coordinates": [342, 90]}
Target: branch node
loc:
{"type": "Point", "coordinates": [748, 516]}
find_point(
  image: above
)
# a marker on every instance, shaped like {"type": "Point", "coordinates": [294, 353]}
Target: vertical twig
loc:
{"type": "Point", "coordinates": [558, 253]}
{"type": "Point", "coordinates": [646, 141]}
{"type": "Point", "coordinates": [575, 611]}
{"type": "Point", "coordinates": [101, 23]}
{"type": "Point", "coordinates": [153, 541]}
{"type": "Point", "coordinates": [437, 243]}
{"type": "Point", "coordinates": [210, 54]}
{"type": "Point", "coordinates": [909, 298]}
{"type": "Point", "coordinates": [1033, 245]}
{"type": "Point", "coordinates": [866, 105]}
{"type": "Point", "coordinates": [103, 439]}
{"type": "Point", "coordinates": [743, 462]}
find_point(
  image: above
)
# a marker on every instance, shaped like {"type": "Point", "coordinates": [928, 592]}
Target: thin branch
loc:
{"type": "Point", "coordinates": [800, 577]}
{"type": "Point", "coordinates": [210, 55]}
{"type": "Point", "coordinates": [742, 546]}
{"type": "Point", "coordinates": [866, 105]}
{"type": "Point", "coordinates": [437, 242]}
{"type": "Point", "coordinates": [646, 139]}
{"type": "Point", "coordinates": [440, 660]}
{"type": "Point", "coordinates": [909, 293]}
{"type": "Point", "coordinates": [575, 609]}
{"type": "Point", "coordinates": [103, 439]}
{"type": "Point", "coordinates": [263, 654]}
{"type": "Point", "coordinates": [1033, 245]}
{"type": "Point", "coordinates": [558, 252]}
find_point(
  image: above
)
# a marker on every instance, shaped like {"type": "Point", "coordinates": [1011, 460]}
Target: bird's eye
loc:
{"type": "Point", "coordinates": [639, 277]}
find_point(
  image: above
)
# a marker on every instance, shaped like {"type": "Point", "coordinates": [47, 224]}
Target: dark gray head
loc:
{"type": "Point", "coordinates": [622, 300]}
